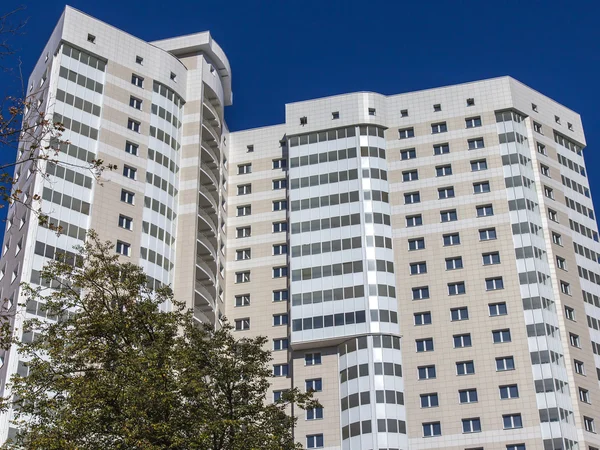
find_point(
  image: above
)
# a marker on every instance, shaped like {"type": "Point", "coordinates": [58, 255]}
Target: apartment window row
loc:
{"type": "Point", "coordinates": [525, 228]}
{"type": "Point", "coordinates": [81, 80]}
{"type": "Point", "coordinates": [316, 248]}
{"type": "Point", "coordinates": [323, 136]}
{"type": "Point", "coordinates": [518, 181]}
{"type": "Point", "coordinates": [449, 215]}
{"type": "Point", "coordinates": [156, 258]}
{"type": "Point", "coordinates": [78, 102]}
{"type": "Point", "coordinates": [166, 115]}
{"type": "Point", "coordinates": [155, 155]}
{"type": "Point", "coordinates": [521, 204]}
{"type": "Point", "coordinates": [581, 209]}
{"type": "Point", "coordinates": [512, 136]}
{"type": "Point", "coordinates": [68, 175]}
{"type": "Point", "coordinates": [473, 425]}
{"type": "Point", "coordinates": [66, 201]}
{"type": "Point", "coordinates": [582, 229]}
{"type": "Point", "coordinates": [326, 178]}
{"type": "Point", "coordinates": [353, 372]}
{"type": "Point", "coordinates": [575, 186]}
{"type": "Point", "coordinates": [51, 252]}
{"type": "Point", "coordinates": [439, 127]}
{"type": "Point", "coordinates": [508, 116]}
{"type": "Point", "coordinates": [588, 275]}
{"type": "Point", "coordinates": [325, 200]}
{"type": "Point", "coordinates": [318, 158]}
{"type": "Point", "coordinates": [76, 127]}
{"type": "Point", "coordinates": [167, 93]}
{"type": "Point", "coordinates": [161, 183]}
{"type": "Point", "coordinates": [330, 320]}
{"type": "Point", "coordinates": [162, 136]}
{"type": "Point", "coordinates": [571, 165]}
{"type": "Point", "coordinates": [541, 329]}
{"type": "Point", "coordinates": [66, 228]}
{"type": "Point", "coordinates": [330, 270]}
{"type": "Point", "coordinates": [84, 57]}
{"type": "Point", "coordinates": [159, 207]}
{"type": "Point", "coordinates": [326, 223]}
{"type": "Point", "coordinates": [345, 293]}
{"type": "Point", "coordinates": [567, 143]}
{"type": "Point", "coordinates": [460, 313]}
{"type": "Point", "coordinates": [73, 151]}
{"type": "Point", "coordinates": [590, 298]}
{"type": "Point", "coordinates": [515, 158]}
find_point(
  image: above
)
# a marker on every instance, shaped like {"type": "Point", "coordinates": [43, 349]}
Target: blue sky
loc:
{"type": "Point", "coordinates": [286, 51]}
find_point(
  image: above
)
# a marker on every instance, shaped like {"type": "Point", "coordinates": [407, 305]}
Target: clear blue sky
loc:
{"type": "Point", "coordinates": [285, 51]}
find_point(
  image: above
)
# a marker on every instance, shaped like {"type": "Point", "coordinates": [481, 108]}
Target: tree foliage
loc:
{"type": "Point", "coordinates": [122, 374]}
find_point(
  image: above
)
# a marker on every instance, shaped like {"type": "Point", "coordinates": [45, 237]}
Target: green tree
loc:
{"type": "Point", "coordinates": [122, 374]}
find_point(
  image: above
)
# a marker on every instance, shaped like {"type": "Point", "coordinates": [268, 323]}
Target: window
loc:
{"type": "Point", "coordinates": [280, 272]}
{"type": "Point", "coordinates": [137, 80]}
{"type": "Point", "coordinates": [314, 413]}
{"type": "Point", "coordinates": [454, 263]}
{"type": "Point", "coordinates": [280, 319]}
{"type": "Point", "coordinates": [491, 258]}
{"type": "Point", "coordinates": [589, 424]}
{"type": "Point", "coordinates": [426, 372]}
{"type": "Point", "coordinates": [173, 76]}
{"type": "Point", "coordinates": [404, 113]}
{"type": "Point", "coordinates": [242, 232]}
{"type": "Point", "coordinates": [279, 227]}
{"type": "Point", "coordinates": [242, 254]}
{"type": "Point", "coordinates": [131, 148]}
{"type": "Point", "coordinates": [242, 300]}
{"type": "Point", "coordinates": [461, 313]}
{"type": "Point", "coordinates": [416, 244]}
{"type": "Point", "coordinates": [475, 143]}
{"type": "Point", "coordinates": [280, 370]}
{"type": "Point", "coordinates": [414, 221]}
{"type": "Point", "coordinates": [515, 447]}
{"type": "Point", "coordinates": [279, 205]}
{"type": "Point", "coordinates": [139, 60]}
{"type": "Point", "coordinates": [492, 284]}
{"type": "Point", "coordinates": [135, 102]}
{"type": "Point", "coordinates": [441, 149]}
{"type": "Point", "coordinates": [465, 368]}
{"type": "Point", "coordinates": [575, 340]}
{"type": "Point", "coordinates": [244, 189]}
{"type": "Point", "coordinates": [467, 396]}
{"type": "Point", "coordinates": [123, 248]}
{"type": "Point", "coordinates": [537, 128]}
{"type": "Point", "coordinates": [280, 249]}
{"type": "Point", "coordinates": [497, 309]}
{"type": "Point", "coordinates": [312, 359]}
{"type": "Point", "coordinates": [487, 234]}
{"type": "Point", "coordinates": [314, 384]}
{"type": "Point", "coordinates": [462, 340]}
{"type": "Point", "coordinates": [129, 172]}
{"type": "Point", "coordinates": [439, 128]}
{"type": "Point", "coordinates": [429, 400]}
{"type": "Point", "coordinates": [505, 363]}
{"type": "Point", "coordinates": [541, 149]}
{"type": "Point", "coordinates": [579, 367]}
{"type": "Point", "coordinates": [280, 295]}
{"type": "Point", "coordinates": [279, 184]}
{"type": "Point", "coordinates": [244, 168]}
{"type": "Point", "coordinates": [500, 336]}
{"type": "Point", "coordinates": [509, 391]}
{"type": "Point", "coordinates": [477, 165]}
{"type": "Point", "coordinates": [446, 192]}
{"type": "Point", "coordinates": [127, 196]}
{"type": "Point", "coordinates": [406, 133]}
{"type": "Point", "coordinates": [451, 239]}
{"type": "Point", "coordinates": [249, 148]}
{"type": "Point", "coordinates": [584, 395]}
{"type": "Point", "coordinates": [470, 102]}
{"type": "Point", "coordinates": [549, 192]}
{"type": "Point", "coordinates": [570, 126]}
{"type": "Point", "coordinates": [242, 277]}
{"type": "Point", "coordinates": [133, 125]}
{"type": "Point", "coordinates": [420, 293]}
{"type": "Point", "coordinates": [279, 163]}
{"type": "Point", "coordinates": [545, 170]}
{"type": "Point", "coordinates": [314, 441]}
{"type": "Point", "coordinates": [512, 421]}
{"type": "Point", "coordinates": [561, 263]}
{"type": "Point", "coordinates": [565, 287]}
{"type": "Point", "coordinates": [442, 171]}
{"type": "Point", "coordinates": [303, 120]}
{"type": "Point", "coordinates": [335, 115]}
{"type": "Point", "coordinates": [456, 288]}
{"type": "Point", "coordinates": [244, 210]}
{"type": "Point", "coordinates": [418, 268]}
{"type": "Point", "coordinates": [278, 394]}
{"type": "Point", "coordinates": [485, 210]}
{"type": "Point", "coordinates": [410, 175]}
{"type": "Point", "coordinates": [423, 318]}
{"type": "Point", "coordinates": [557, 238]}
{"type": "Point", "coordinates": [91, 38]}
{"type": "Point", "coordinates": [473, 122]}
{"type": "Point", "coordinates": [448, 216]}
{"type": "Point", "coordinates": [481, 187]}
{"type": "Point", "coordinates": [125, 222]}
{"type": "Point", "coordinates": [424, 345]}
{"type": "Point", "coordinates": [407, 154]}
{"type": "Point", "coordinates": [471, 425]}
{"type": "Point", "coordinates": [242, 324]}
{"type": "Point", "coordinates": [372, 111]}
{"type": "Point", "coordinates": [411, 198]}
{"type": "Point", "coordinates": [432, 429]}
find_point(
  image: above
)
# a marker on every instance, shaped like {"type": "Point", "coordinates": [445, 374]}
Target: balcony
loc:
{"type": "Point", "coordinates": [206, 241]}
{"type": "Point", "coordinates": [209, 219]}
{"type": "Point", "coordinates": [204, 272]}
{"type": "Point", "coordinates": [208, 199]}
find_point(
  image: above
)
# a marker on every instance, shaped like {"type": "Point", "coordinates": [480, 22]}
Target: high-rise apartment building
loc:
{"type": "Point", "coordinates": [427, 262]}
